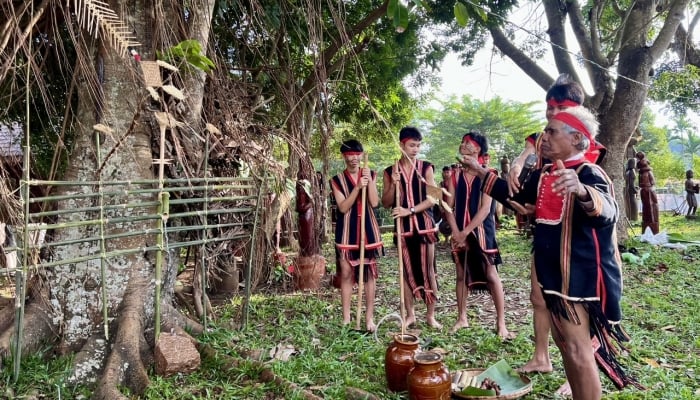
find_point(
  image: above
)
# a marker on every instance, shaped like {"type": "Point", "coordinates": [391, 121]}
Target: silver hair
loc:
{"type": "Point", "coordinates": [588, 120]}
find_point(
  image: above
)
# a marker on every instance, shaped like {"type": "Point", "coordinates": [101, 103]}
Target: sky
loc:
{"type": "Point", "coordinates": [492, 75]}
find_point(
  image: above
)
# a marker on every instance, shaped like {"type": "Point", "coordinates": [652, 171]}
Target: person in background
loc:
{"type": "Point", "coordinates": [691, 188]}
{"type": "Point", "coordinates": [474, 247]}
{"type": "Point", "coordinates": [347, 189]}
{"type": "Point", "coordinates": [575, 251]}
{"type": "Point", "coordinates": [414, 215]}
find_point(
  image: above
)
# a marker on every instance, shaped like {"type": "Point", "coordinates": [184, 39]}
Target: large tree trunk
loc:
{"type": "Point", "coordinates": [115, 98]}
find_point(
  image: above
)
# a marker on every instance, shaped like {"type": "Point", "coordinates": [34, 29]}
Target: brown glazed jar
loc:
{"type": "Point", "coordinates": [398, 360]}
{"type": "Point", "coordinates": [429, 379]}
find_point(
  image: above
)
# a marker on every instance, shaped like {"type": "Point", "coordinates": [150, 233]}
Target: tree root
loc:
{"type": "Point", "coordinates": [37, 331]}
{"type": "Point", "coordinates": [266, 374]}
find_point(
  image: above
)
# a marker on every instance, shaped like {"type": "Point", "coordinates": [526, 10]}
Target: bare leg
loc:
{"type": "Point", "coordinates": [462, 291]}
{"type": "Point", "coordinates": [540, 361]}
{"type": "Point", "coordinates": [430, 314]}
{"type": "Point", "coordinates": [496, 288]}
{"type": "Point", "coordinates": [430, 317]}
{"type": "Point", "coordinates": [346, 284]}
{"type": "Point", "coordinates": [574, 342]}
{"type": "Point", "coordinates": [370, 287]}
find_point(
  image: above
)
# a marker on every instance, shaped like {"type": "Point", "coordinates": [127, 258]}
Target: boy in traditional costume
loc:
{"type": "Point", "coordinates": [575, 250]}
{"type": "Point", "coordinates": [474, 247]}
{"type": "Point", "coordinates": [347, 190]}
{"type": "Point", "coordinates": [414, 222]}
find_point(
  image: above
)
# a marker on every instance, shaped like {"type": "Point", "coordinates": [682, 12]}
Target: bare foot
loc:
{"type": "Point", "coordinates": [370, 326]}
{"type": "Point", "coordinates": [536, 366]}
{"type": "Point", "coordinates": [410, 322]}
{"type": "Point", "coordinates": [433, 323]}
{"type": "Point", "coordinates": [506, 335]}
{"type": "Point", "coordinates": [461, 323]}
{"type": "Point", "coordinates": [564, 390]}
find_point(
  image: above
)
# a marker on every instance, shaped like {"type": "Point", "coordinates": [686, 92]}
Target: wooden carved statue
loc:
{"type": "Point", "coordinates": [631, 190]}
{"type": "Point", "coordinates": [650, 204]}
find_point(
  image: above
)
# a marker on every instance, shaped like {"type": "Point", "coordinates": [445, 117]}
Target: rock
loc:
{"type": "Point", "coordinates": [175, 354]}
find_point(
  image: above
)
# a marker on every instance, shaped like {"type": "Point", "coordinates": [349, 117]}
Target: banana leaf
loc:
{"type": "Point", "coordinates": [679, 238]}
{"type": "Point", "coordinates": [506, 377]}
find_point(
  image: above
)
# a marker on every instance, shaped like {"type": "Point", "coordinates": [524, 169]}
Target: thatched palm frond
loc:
{"type": "Point", "coordinates": [97, 17]}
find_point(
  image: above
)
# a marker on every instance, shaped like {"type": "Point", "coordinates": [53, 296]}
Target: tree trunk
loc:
{"type": "Point", "coordinates": [123, 152]}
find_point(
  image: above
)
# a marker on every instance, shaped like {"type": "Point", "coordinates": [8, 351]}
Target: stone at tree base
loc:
{"type": "Point", "coordinates": [175, 354]}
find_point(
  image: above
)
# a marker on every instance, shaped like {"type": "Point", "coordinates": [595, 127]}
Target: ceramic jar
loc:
{"type": "Point", "coordinates": [398, 361]}
{"type": "Point", "coordinates": [429, 379]}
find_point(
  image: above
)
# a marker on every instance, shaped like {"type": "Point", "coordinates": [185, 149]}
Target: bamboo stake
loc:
{"type": "Point", "coordinates": [361, 284]}
{"type": "Point", "coordinates": [103, 249]}
{"type": "Point", "coordinates": [399, 245]}
{"type": "Point", "coordinates": [21, 275]}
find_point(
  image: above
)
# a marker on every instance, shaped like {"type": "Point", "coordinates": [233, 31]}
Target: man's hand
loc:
{"type": "Point", "coordinates": [524, 209]}
{"type": "Point", "coordinates": [513, 179]}
{"type": "Point", "coordinates": [568, 182]}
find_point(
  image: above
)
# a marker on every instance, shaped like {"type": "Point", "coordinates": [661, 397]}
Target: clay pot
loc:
{"type": "Point", "coordinates": [308, 272]}
{"type": "Point", "coordinates": [398, 361]}
{"type": "Point", "coordinates": [429, 379]}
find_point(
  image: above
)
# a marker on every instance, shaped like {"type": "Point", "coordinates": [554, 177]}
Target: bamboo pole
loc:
{"type": "Point", "coordinates": [249, 266]}
{"type": "Point", "coordinates": [21, 275]}
{"type": "Point", "coordinates": [399, 246]}
{"type": "Point", "coordinates": [103, 249]}
{"type": "Point", "coordinates": [361, 283]}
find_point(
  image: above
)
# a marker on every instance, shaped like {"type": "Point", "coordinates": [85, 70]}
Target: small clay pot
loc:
{"type": "Point", "coordinates": [429, 379]}
{"type": "Point", "coordinates": [398, 361]}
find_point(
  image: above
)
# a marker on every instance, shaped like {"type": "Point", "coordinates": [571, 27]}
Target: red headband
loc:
{"type": "Point", "coordinates": [575, 123]}
{"type": "Point", "coordinates": [566, 103]}
{"type": "Point", "coordinates": [352, 153]}
{"type": "Point", "coordinates": [473, 142]}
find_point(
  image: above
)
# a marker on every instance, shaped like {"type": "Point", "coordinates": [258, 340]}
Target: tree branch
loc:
{"type": "Point", "coordinates": [557, 35]}
{"type": "Point", "coordinates": [667, 32]}
{"type": "Point", "coordinates": [527, 65]}
{"type": "Point", "coordinates": [684, 46]}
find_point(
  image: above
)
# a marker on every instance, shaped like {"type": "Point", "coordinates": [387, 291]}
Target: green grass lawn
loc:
{"type": "Point", "coordinates": [661, 305]}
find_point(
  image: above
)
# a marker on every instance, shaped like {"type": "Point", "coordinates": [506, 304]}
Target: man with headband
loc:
{"type": "Point", "coordinates": [474, 248]}
{"type": "Point", "coordinates": [414, 217]}
{"type": "Point", "coordinates": [575, 253]}
{"type": "Point", "coordinates": [563, 95]}
{"type": "Point", "coordinates": [347, 190]}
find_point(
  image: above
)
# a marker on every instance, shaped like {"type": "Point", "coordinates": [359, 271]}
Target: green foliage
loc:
{"type": "Point", "coordinates": [189, 52]}
{"type": "Point", "coordinates": [654, 143]}
{"type": "Point", "coordinates": [505, 123]}
{"type": "Point", "coordinates": [678, 86]}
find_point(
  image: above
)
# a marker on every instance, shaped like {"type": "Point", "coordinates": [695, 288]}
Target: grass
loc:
{"type": "Point", "coordinates": [661, 304]}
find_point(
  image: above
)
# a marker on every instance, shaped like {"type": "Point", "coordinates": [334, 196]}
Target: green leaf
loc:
{"type": "Point", "coordinates": [477, 392]}
{"type": "Point", "coordinates": [461, 14]}
{"type": "Point", "coordinates": [400, 18]}
{"type": "Point", "coordinates": [481, 12]}
{"type": "Point", "coordinates": [391, 8]}
{"type": "Point", "coordinates": [421, 3]}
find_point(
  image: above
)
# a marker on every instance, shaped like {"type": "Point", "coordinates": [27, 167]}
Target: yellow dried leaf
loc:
{"type": "Point", "coordinates": [173, 91]}
{"type": "Point", "coordinates": [651, 362]}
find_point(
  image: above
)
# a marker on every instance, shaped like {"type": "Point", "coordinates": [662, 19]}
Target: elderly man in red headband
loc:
{"type": "Point", "coordinates": [575, 251]}
{"type": "Point", "coordinates": [565, 94]}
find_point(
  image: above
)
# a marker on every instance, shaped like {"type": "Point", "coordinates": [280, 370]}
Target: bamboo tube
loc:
{"type": "Point", "coordinates": [103, 249]}
{"type": "Point", "coordinates": [361, 283]}
{"type": "Point", "coordinates": [399, 246]}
